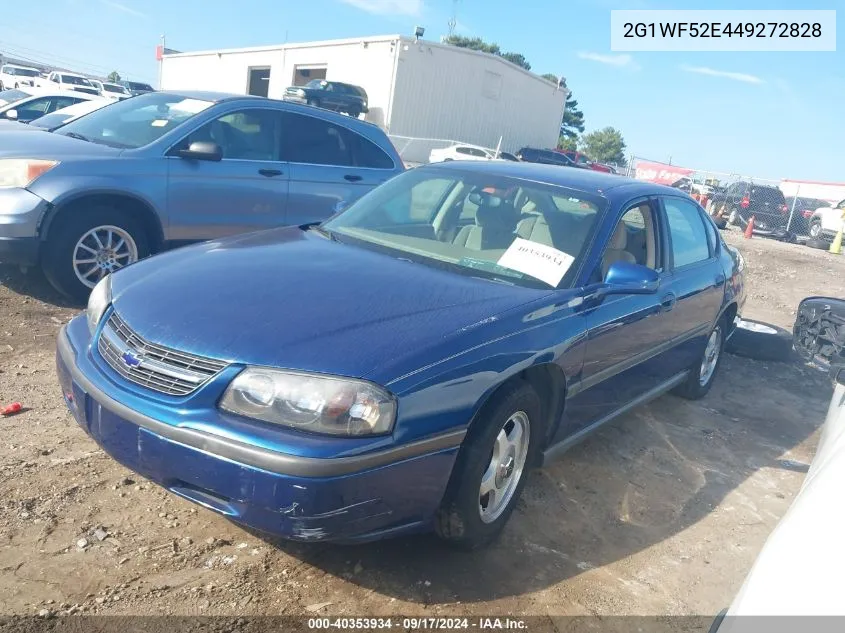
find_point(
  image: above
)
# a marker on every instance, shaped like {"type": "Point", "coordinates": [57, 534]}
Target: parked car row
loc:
{"type": "Point", "coordinates": [14, 76]}
{"type": "Point", "coordinates": [25, 104]}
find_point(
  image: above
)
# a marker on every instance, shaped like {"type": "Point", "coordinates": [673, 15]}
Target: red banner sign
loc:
{"type": "Point", "coordinates": [659, 173]}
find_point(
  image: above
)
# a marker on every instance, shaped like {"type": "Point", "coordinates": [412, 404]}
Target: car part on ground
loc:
{"type": "Point", "coordinates": [760, 341]}
{"type": "Point", "coordinates": [819, 244]}
{"type": "Point", "coordinates": [819, 331]}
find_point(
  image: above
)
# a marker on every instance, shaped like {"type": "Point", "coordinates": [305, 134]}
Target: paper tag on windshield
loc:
{"type": "Point", "coordinates": [159, 122]}
{"type": "Point", "coordinates": [538, 260]}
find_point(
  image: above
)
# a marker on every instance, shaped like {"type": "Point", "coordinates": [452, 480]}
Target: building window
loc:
{"type": "Point", "coordinates": [492, 87]}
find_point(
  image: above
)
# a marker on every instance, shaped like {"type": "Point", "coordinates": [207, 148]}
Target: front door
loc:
{"type": "Point", "coordinates": [247, 190]}
{"type": "Point", "coordinates": [330, 167]}
{"type": "Point", "coordinates": [627, 334]}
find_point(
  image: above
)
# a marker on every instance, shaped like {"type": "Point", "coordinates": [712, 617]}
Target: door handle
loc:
{"type": "Point", "coordinates": [668, 301]}
{"type": "Point", "coordinates": [269, 173]}
{"type": "Point", "coordinates": [352, 177]}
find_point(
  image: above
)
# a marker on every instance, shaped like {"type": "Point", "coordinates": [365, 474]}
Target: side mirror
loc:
{"type": "Point", "coordinates": [625, 278]}
{"type": "Point", "coordinates": [202, 150]}
{"type": "Point", "coordinates": [12, 114]}
{"type": "Point", "coordinates": [631, 278]}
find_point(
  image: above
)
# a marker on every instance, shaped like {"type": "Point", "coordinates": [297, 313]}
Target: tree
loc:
{"type": "Point", "coordinates": [567, 142]}
{"type": "Point", "coordinates": [551, 77]}
{"type": "Point", "coordinates": [114, 76]}
{"type": "Point", "coordinates": [477, 44]}
{"type": "Point", "coordinates": [573, 119]}
{"type": "Point", "coordinates": [605, 146]}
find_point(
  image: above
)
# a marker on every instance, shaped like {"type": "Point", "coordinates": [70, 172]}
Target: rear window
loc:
{"type": "Point", "coordinates": [767, 194]}
{"type": "Point", "coordinates": [10, 96]}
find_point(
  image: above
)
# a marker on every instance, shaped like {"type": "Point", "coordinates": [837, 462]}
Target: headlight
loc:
{"type": "Point", "coordinates": [98, 301]}
{"type": "Point", "coordinates": [300, 92]}
{"type": "Point", "coordinates": [311, 402]}
{"type": "Point", "coordinates": [22, 172]}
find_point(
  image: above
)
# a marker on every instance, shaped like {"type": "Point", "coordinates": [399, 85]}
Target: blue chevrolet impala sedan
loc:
{"type": "Point", "coordinates": [401, 366]}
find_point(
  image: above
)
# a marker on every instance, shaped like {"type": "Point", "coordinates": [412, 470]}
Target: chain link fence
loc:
{"type": "Point", "coordinates": [784, 209]}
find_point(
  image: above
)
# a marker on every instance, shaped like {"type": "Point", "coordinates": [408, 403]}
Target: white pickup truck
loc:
{"type": "Point", "coordinates": [69, 81]}
{"type": "Point", "coordinates": [826, 222]}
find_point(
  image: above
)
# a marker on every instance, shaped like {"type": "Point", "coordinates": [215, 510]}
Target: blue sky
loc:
{"type": "Point", "coordinates": [776, 115]}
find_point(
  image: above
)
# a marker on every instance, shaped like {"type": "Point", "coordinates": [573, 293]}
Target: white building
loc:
{"type": "Point", "coordinates": [416, 89]}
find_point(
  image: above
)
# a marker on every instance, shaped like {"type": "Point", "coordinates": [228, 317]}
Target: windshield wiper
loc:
{"type": "Point", "coordinates": [317, 228]}
{"type": "Point", "coordinates": [77, 136]}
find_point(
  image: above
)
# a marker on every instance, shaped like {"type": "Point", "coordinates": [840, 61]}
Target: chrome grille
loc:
{"type": "Point", "coordinates": [153, 366]}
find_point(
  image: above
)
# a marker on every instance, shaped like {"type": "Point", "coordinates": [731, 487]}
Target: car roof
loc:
{"type": "Point", "coordinates": [587, 180]}
{"type": "Point", "coordinates": [19, 66]}
{"type": "Point", "coordinates": [208, 95]}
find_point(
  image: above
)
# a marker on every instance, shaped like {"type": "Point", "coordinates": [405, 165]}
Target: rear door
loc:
{"type": "Point", "coordinates": [247, 190]}
{"type": "Point", "coordinates": [330, 166]}
{"type": "Point", "coordinates": [692, 288]}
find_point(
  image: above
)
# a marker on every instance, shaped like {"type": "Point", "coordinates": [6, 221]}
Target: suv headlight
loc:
{"type": "Point", "coordinates": [22, 172]}
{"type": "Point", "coordinates": [311, 402]}
{"type": "Point", "coordinates": [98, 302]}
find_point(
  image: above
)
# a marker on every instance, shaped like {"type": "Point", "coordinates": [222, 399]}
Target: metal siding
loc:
{"type": "Point", "coordinates": [370, 67]}
{"type": "Point", "coordinates": [440, 93]}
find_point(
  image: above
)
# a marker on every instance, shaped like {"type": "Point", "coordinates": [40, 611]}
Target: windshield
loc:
{"type": "Point", "coordinates": [134, 85]}
{"type": "Point", "coordinates": [21, 72]}
{"type": "Point", "coordinates": [315, 83]}
{"type": "Point", "coordinates": [135, 122]}
{"type": "Point", "coordinates": [10, 96]}
{"type": "Point", "coordinates": [75, 81]}
{"type": "Point", "coordinates": [476, 224]}
{"type": "Point", "coordinates": [114, 88]}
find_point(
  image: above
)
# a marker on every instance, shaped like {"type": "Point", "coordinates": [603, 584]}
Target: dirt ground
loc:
{"type": "Point", "coordinates": [660, 513]}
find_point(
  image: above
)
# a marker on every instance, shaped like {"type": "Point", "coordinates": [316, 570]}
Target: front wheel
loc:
{"type": "Point", "coordinates": [313, 103]}
{"type": "Point", "coordinates": [733, 218]}
{"type": "Point", "coordinates": [86, 245]}
{"type": "Point", "coordinates": [489, 474]}
{"type": "Point", "coordinates": [703, 371]}
{"type": "Point", "coordinates": [815, 229]}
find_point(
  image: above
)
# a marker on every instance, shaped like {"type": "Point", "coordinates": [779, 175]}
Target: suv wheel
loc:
{"type": "Point", "coordinates": [815, 228]}
{"type": "Point", "coordinates": [733, 218]}
{"type": "Point", "coordinates": [85, 245]}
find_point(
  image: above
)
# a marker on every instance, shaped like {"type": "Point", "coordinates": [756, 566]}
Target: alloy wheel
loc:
{"type": "Point", "coordinates": [711, 356]}
{"type": "Point", "coordinates": [103, 250]}
{"type": "Point", "coordinates": [507, 463]}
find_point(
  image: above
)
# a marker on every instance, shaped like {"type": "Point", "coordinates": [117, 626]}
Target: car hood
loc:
{"type": "Point", "coordinates": [295, 299]}
{"type": "Point", "coordinates": [21, 144]}
{"type": "Point", "coordinates": [16, 126]}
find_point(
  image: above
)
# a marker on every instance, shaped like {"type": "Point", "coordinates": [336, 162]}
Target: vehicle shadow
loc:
{"type": "Point", "coordinates": [645, 478]}
{"type": "Point", "coordinates": [33, 284]}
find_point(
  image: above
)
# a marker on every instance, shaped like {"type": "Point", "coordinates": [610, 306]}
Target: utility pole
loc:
{"type": "Point", "coordinates": [161, 60]}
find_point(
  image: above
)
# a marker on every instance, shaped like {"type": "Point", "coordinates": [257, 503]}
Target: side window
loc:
{"type": "Point", "coordinates": [63, 102]}
{"type": "Point", "coordinates": [633, 240]}
{"type": "Point", "coordinates": [478, 152]}
{"type": "Point", "coordinates": [712, 235]}
{"type": "Point", "coordinates": [37, 105]}
{"type": "Point", "coordinates": [315, 141]}
{"type": "Point", "coordinates": [368, 154]}
{"type": "Point", "coordinates": [686, 228]}
{"type": "Point", "coordinates": [463, 150]}
{"type": "Point", "coordinates": [243, 135]}
{"type": "Point", "coordinates": [841, 205]}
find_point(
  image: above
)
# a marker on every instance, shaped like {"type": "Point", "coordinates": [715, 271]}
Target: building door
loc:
{"type": "Point", "coordinates": [259, 81]}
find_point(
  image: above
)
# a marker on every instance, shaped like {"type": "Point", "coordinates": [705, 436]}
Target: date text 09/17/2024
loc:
{"type": "Point", "coordinates": [419, 624]}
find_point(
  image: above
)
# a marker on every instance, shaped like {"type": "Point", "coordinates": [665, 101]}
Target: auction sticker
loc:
{"type": "Point", "coordinates": [537, 260]}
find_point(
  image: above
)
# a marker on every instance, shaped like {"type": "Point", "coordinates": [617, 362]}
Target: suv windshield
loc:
{"type": "Point", "coordinates": [473, 223]}
{"type": "Point", "coordinates": [21, 72]}
{"type": "Point", "coordinates": [135, 122]}
{"type": "Point", "coordinates": [134, 85]}
{"type": "Point", "coordinates": [74, 80]}
{"type": "Point", "coordinates": [114, 88]}
{"type": "Point", "coordinates": [316, 83]}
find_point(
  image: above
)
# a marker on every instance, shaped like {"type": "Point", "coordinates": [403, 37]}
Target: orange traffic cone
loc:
{"type": "Point", "coordinates": [749, 228]}
{"type": "Point", "coordinates": [704, 201]}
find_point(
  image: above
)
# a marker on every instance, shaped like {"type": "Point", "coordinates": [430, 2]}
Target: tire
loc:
{"type": "Point", "coordinates": [68, 230]}
{"type": "Point", "coordinates": [314, 103]}
{"type": "Point", "coordinates": [701, 378]}
{"type": "Point", "coordinates": [760, 341]}
{"type": "Point", "coordinates": [815, 230]}
{"type": "Point", "coordinates": [461, 520]}
{"type": "Point", "coordinates": [817, 243]}
{"type": "Point", "coordinates": [354, 113]}
{"type": "Point", "coordinates": [733, 217]}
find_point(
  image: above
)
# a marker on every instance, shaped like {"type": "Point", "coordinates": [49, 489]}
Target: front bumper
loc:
{"type": "Point", "coordinates": [348, 499]}
{"type": "Point", "coordinates": [20, 214]}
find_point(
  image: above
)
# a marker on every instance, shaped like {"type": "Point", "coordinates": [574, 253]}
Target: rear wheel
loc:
{"type": "Point", "coordinates": [489, 474]}
{"type": "Point", "coordinates": [86, 244]}
{"type": "Point", "coordinates": [703, 372]}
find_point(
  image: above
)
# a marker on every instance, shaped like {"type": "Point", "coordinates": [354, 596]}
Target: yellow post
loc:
{"type": "Point", "coordinates": [836, 247]}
